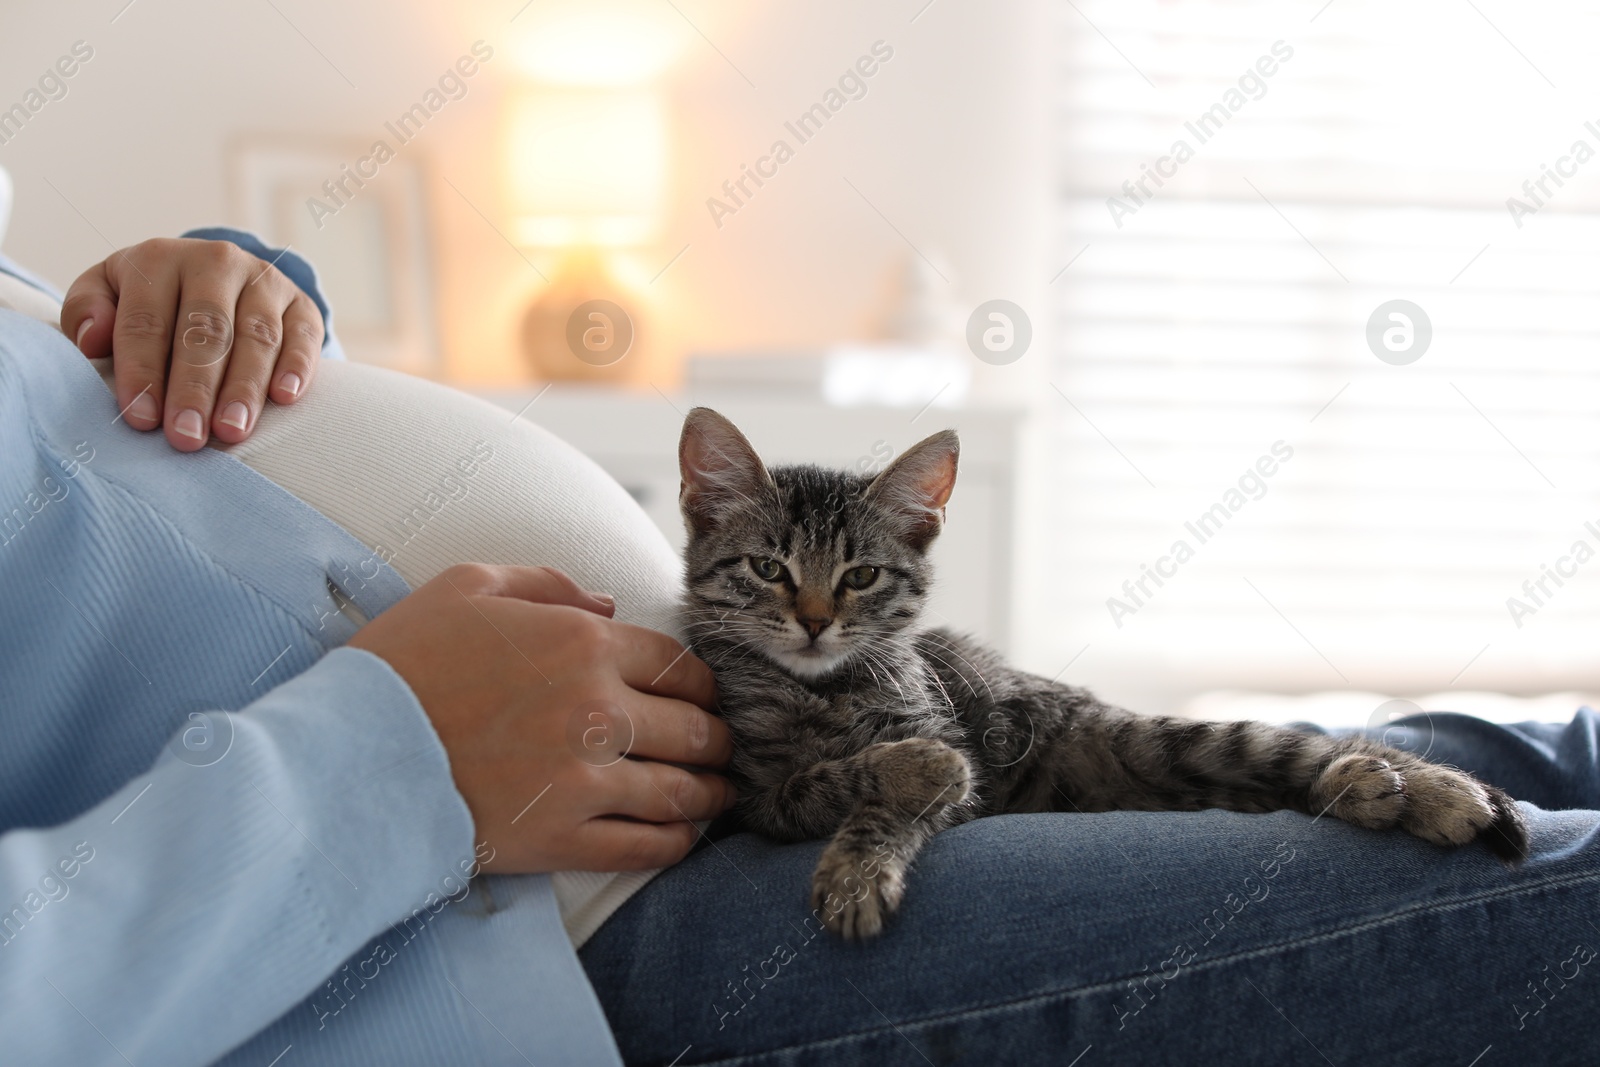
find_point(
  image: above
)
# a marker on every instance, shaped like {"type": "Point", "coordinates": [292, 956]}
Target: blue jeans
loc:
{"type": "Point", "coordinates": [1147, 938]}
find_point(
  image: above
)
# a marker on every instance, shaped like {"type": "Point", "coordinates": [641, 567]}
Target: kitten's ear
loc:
{"type": "Point", "coordinates": [916, 486]}
{"type": "Point", "coordinates": [718, 466]}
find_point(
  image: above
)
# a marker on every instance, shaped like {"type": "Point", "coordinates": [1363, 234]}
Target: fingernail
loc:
{"type": "Point", "coordinates": [235, 415]}
{"type": "Point", "coordinates": [144, 408]}
{"type": "Point", "coordinates": [605, 598]}
{"type": "Point", "coordinates": [83, 330]}
{"type": "Point", "coordinates": [290, 383]}
{"type": "Point", "coordinates": [189, 424]}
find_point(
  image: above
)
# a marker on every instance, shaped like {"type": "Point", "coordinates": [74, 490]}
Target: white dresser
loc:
{"type": "Point", "coordinates": [634, 436]}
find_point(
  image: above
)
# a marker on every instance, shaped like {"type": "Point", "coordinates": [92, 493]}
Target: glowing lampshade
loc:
{"type": "Point", "coordinates": [585, 167]}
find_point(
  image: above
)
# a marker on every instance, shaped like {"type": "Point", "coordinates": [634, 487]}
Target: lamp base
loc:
{"type": "Point", "coordinates": [584, 325]}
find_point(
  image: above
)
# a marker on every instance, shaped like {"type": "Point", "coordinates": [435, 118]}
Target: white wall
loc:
{"type": "Point", "coordinates": [946, 144]}
{"type": "Point", "coordinates": [949, 144]}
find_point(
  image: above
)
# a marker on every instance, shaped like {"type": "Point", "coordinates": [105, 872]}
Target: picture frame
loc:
{"type": "Point", "coordinates": [369, 238]}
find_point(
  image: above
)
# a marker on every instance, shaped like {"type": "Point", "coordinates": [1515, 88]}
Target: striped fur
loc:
{"type": "Point", "coordinates": [853, 722]}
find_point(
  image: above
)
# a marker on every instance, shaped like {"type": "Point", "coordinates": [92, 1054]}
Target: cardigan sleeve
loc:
{"type": "Point", "coordinates": [227, 891]}
{"type": "Point", "coordinates": [207, 803]}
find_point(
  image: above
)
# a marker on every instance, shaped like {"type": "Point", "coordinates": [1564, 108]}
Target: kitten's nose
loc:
{"type": "Point", "coordinates": [814, 624]}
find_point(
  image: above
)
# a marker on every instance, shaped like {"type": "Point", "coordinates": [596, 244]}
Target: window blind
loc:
{"type": "Point", "coordinates": [1241, 186]}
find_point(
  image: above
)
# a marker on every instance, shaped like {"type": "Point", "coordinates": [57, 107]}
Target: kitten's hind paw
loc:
{"type": "Point", "coordinates": [1362, 789]}
{"type": "Point", "coordinates": [1448, 807]}
{"type": "Point", "coordinates": [1437, 804]}
{"type": "Point", "coordinates": [1507, 835]}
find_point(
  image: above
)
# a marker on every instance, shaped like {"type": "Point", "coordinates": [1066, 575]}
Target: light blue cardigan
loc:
{"type": "Point", "coordinates": [211, 815]}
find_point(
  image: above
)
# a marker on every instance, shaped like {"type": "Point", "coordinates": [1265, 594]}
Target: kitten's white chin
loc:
{"type": "Point", "coordinates": [808, 662]}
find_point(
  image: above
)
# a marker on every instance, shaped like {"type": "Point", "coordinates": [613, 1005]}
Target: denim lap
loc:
{"type": "Point", "coordinates": [1153, 937]}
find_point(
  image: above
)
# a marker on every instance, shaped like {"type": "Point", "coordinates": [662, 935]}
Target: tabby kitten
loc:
{"type": "Point", "coordinates": [850, 720]}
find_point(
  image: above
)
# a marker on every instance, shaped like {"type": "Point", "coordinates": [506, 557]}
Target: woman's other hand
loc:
{"type": "Point", "coordinates": [200, 333]}
{"type": "Point", "coordinates": [561, 724]}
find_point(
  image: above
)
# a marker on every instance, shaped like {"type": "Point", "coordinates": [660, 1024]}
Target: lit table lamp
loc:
{"type": "Point", "coordinates": [586, 175]}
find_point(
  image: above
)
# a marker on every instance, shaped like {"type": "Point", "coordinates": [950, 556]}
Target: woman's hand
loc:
{"type": "Point", "coordinates": [556, 719]}
{"type": "Point", "coordinates": [198, 332]}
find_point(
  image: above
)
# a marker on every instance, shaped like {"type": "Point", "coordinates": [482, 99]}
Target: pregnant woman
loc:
{"type": "Point", "coordinates": [262, 802]}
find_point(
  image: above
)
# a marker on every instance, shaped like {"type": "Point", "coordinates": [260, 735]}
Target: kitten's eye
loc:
{"type": "Point", "coordinates": [769, 569]}
{"type": "Point", "coordinates": [860, 577]}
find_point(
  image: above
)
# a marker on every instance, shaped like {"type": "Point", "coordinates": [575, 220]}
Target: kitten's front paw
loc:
{"type": "Point", "coordinates": [855, 892]}
{"type": "Point", "coordinates": [913, 773]}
